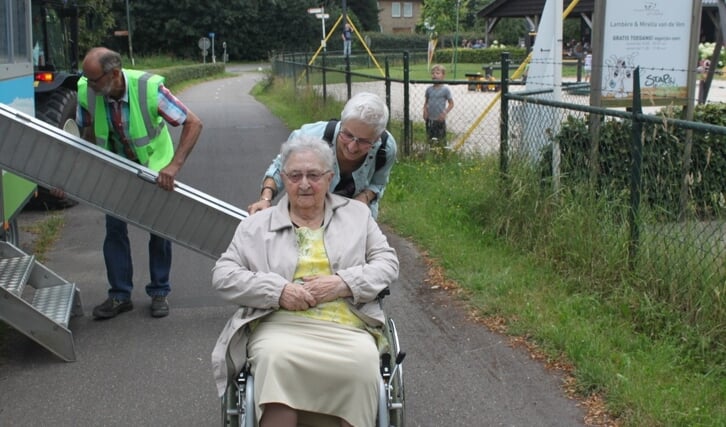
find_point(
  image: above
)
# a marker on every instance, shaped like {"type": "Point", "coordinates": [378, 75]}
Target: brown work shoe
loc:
{"type": "Point", "coordinates": [159, 306]}
{"type": "Point", "coordinates": [112, 307]}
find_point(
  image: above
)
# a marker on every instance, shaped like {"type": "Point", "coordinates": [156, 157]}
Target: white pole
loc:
{"type": "Point", "coordinates": [322, 20]}
{"type": "Point", "coordinates": [557, 92]}
{"type": "Point", "coordinates": [128, 27]}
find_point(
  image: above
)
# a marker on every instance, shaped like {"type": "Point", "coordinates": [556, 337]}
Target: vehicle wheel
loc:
{"type": "Point", "coordinates": [12, 234]}
{"type": "Point", "coordinates": [57, 108]}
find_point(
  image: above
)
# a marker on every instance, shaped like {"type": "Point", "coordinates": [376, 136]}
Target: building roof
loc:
{"type": "Point", "coordinates": [522, 8]}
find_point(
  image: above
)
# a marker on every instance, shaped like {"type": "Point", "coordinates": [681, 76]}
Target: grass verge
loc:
{"type": "Point", "coordinates": [46, 232]}
{"type": "Point", "coordinates": [506, 254]}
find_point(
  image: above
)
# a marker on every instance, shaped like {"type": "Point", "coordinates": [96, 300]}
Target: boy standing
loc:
{"type": "Point", "coordinates": [438, 104]}
{"type": "Point", "coordinates": [347, 37]}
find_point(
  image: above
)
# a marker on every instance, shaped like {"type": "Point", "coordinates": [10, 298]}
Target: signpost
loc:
{"type": "Point", "coordinates": [319, 13]}
{"type": "Point", "coordinates": [214, 58]}
{"type": "Point", "coordinates": [204, 45]}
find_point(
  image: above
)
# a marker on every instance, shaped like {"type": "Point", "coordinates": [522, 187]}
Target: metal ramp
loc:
{"type": "Point", "coordinates": [50, 157]}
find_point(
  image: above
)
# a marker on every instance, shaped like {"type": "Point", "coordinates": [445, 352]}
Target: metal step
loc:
{"type": "Point", "coordinates": [52, 158]}
{"type": "Point", "coordinates": [14, 272]}
{"type": "Point", "coordinates": [56, 302]}
{"type": "Point", "coordinates": [37, 302]}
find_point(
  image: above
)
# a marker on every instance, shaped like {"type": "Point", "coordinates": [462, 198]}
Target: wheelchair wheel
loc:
{"type": "Point", "coordinates": [230, 409]}
{"type": "Point", "coordinates": [396, 404]}
{"type": "Point", "coordinates": [237, 402]}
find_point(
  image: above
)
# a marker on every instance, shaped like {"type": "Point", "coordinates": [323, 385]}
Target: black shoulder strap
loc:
{"type": "Point", "coordinates": [330, 131]}
{"type": "Point", "coordinates": [380, 154]}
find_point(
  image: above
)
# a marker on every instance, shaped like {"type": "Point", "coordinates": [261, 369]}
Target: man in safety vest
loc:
{"type": "Point", "coordinates": [127, 112]}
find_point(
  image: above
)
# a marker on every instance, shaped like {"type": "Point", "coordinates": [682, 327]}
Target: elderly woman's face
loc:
{"type": "Point", "coordinates": [306, 180]}
{"type": "Point", "coordinates": [355, 139]}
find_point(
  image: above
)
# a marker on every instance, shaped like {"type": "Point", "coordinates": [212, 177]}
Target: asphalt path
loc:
{"type": "Point", "coordinates": [135, 370]}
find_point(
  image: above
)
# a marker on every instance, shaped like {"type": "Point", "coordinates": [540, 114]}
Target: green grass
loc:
{"type": "Point", "coordinates": [557, 280]}
{"type": "Point", "coordinates": [46, 232]}
{"type": "Point", "coordinates": [421, 72]}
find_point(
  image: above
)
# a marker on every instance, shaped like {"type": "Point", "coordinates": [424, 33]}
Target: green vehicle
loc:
{"type": "Point", "coordinates": [38, 76]}
{"type": "Point", "coordinates": [17, 91]}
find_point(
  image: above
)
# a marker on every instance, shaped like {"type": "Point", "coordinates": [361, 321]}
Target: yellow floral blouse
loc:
{"type": "Point", "coordinates": [313, 261]}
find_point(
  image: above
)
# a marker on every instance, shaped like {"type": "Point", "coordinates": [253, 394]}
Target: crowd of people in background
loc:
{"type": "Point", "coordinates": [576, 49]}
{"type": "Point", "coordinates": [473, 44]}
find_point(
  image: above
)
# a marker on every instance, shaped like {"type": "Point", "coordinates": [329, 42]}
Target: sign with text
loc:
{"type": "Point", "coordinates": [654, 35]}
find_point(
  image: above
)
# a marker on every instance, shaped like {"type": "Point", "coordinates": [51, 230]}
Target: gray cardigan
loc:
{"type": "Point", "coordinates": [261, 260]}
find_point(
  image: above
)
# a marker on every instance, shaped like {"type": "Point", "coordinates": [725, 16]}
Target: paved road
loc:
{"type": "Point", "coordinates": [139, 371]}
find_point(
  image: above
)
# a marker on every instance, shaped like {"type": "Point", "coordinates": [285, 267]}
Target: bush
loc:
{"type": "Point", "coordinates": [177, 74]}
{"type": "Point", "coordinates": [662, 172]}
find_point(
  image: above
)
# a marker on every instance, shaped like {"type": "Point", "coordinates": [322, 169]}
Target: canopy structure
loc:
{"type": "Point", "coordinates": [531, 10]}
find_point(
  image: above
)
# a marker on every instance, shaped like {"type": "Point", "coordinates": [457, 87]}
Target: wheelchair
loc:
{"type": "Point", "coordinates": [238, 408]}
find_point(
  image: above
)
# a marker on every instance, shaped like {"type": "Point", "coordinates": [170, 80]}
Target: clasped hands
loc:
{"type": "Point", "coordinates": [312, 291]}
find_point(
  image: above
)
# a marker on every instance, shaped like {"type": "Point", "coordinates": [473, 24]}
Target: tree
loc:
{"type": "Point", "coordinates": [367, 13]}
{"type": "Point", "coordinates": [96, 22]}
{"type": "Point", "coordinates": [442, 14]}
{"type": "Point", "coordinates": [252, 29]}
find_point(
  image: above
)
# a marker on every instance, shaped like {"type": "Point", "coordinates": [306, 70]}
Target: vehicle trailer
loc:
{"type": "Point", "coordinates": [33, 299]}
{"type": "Point", "coordinates": [16, 90]}
{"type": "Point", "coordinates": [55, 62]}
{"type": "Point", "coordinates": [55, 54]}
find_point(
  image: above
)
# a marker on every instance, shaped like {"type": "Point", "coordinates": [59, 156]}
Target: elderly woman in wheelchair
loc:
{"type": "Point", "coordinates": [307, 275]}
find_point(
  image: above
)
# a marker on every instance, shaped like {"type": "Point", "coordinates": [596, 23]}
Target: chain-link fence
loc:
{"type": "Point", "coordinates": [663, 178]}
{"type": "Point", "coordinates": [660, 177]}
{"type": "Point", "coordinates": [476, 100]}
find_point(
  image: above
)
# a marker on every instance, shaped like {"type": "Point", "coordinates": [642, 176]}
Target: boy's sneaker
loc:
{"type": "Point", "coordinates": [159, 306]}
{"type": "Point", "coordinates": [111, 308]}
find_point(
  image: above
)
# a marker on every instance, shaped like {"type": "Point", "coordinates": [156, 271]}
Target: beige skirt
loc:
{"type": "Point", "coordinates": [315, 366]}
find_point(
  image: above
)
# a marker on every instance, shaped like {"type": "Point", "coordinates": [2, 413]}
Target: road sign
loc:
{"type": "Point", "coordinates": [322, 15]}
{"type": "Point", "coordinates": [314, 10]}
{"type": "Point", "coordinates": [204, 43]}
{"type": "Point", "coordinates": [211, 35]}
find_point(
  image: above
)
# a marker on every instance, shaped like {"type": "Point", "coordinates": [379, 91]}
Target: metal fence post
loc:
{"type": "Point", "coordinates": [348, 82]}
{"type": "Point", "coordinates": [407, 132]}
{"type": "Point", "coordinates": [504, 122]}
{"type": "Point", "coordinates": [308, 70]}
{"type": "Point", "coordinates": [388, 89]}
{"type": "Point", "coordinates": [325, 86]}
{"type": "Point", "coordinates": [636, 167]}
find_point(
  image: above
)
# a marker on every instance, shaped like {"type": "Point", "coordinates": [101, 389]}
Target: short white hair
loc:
{"type": "Point", "coordinates": [307, 143]}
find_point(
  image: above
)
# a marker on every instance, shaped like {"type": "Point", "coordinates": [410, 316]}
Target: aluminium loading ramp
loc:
{"type": "Point", "coordinates": [126, 190]}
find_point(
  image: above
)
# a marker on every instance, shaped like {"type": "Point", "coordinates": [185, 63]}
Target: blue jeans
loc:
{"type": "Point", "coordinates": [120, 269]}
{"type": "Point", "coordinates": [346, 47]}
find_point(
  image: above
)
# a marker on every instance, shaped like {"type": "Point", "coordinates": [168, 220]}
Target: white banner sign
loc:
{"type": "Point", "coordinates": [651, 34]}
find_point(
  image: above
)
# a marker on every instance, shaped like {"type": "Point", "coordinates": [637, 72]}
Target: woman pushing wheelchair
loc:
{"type": "Point", "coordinates": [306, 275]}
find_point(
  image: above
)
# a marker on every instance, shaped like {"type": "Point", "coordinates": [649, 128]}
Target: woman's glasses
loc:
{"type": "Point", "coordinates": [347, 137]}
{"type": "Point", "coordinates": [312, 176]}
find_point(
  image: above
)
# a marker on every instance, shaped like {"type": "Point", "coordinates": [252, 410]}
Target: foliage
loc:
{"type": "Point", "coordinates": [443, 16]}
{"type": "Point", "coordinates": [395, 42]}
{"type": "Point", "coordinates": [705, 51]}
{"type": "Point", "coordinates": [46, 232]}
{"type": "Point", "coordinates": [251, 29]}
{"type": "Point", "coordinates": [96, 20]}
{"type": "Point", "coordinates": [663, 148]}
{"type": "Point", "coordinates": [178, 74]}
{"type": "Point", "coordinates": [366, 11]}
{"type": "Point", "coordinates": [481, 56]}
